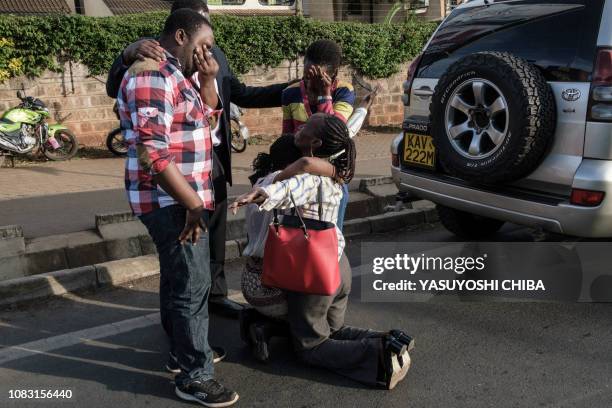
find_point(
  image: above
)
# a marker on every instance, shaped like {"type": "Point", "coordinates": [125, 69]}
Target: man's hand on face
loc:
{"type": "Point", "coordinates": [312, 83]}
{"type": "Point", "coordinates": [142, 49]}
{"type": "Point", "coordinates": [207, 66]}
{"type": "Point", "coordinates": [319, 82]}
{"type": "Point", "coordinates": [325, 82]}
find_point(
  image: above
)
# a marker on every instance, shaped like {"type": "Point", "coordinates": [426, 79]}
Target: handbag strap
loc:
{"type": "Point", "coordinates": [275, 214]}
{"type": "Point", "coordinates": [276, 221]}
{"type": "Point", "coordinates": [298, 214]}
{"type": "Point", "coordinates": [320, 199]}
{"type": "Point", "coordinates": [294, 210]}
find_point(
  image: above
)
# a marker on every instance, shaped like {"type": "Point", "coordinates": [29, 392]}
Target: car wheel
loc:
{"type": "Point", "coordinates": [493, 116]}
{"type": "Point", "coordinates": [466, 225]}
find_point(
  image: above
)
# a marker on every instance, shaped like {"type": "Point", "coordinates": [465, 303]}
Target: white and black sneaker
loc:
{"type": "Point", "coordinates": [172, 366]}
{"type": "Point", "coordinates": [209, 393]}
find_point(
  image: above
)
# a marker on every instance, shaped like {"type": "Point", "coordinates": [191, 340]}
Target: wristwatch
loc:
{"type": "Point", "coordinates": [322, 99]}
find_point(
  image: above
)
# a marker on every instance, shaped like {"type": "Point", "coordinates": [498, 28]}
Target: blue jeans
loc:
{"type": "Point", "coordinates": [343, 205]}
{"type": "Point", "coordinates": [184, 291]}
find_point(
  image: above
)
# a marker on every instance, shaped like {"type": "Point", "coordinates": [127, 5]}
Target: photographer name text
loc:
{"type": "Point", "coordinates": [459, 265]}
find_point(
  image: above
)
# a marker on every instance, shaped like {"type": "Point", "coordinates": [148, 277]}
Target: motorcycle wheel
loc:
{"type": "Point", "coordinates": [68, 146]}
{"type": "Point", "coordinates": [116, 143]}
{"type": "Point", "coordinates": [239, 143]}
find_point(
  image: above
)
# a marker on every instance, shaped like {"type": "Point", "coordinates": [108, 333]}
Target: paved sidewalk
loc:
{"type": "Point", "coordinates": [60, 197]}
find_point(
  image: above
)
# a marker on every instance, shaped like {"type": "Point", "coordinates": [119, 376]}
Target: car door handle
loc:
{"type": "Point", "coordinates": [423, 92]}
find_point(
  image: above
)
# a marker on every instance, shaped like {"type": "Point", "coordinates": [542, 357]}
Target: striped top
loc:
{"type": "Point", "coordinates": [305, 188]}
{"type": "Point", "coordinates": [297, 109]}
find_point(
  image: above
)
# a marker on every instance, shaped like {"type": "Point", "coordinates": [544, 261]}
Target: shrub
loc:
{"type": "Point", "coordinates": [29, 45]}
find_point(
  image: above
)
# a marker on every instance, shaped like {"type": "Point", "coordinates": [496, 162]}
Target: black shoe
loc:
{"type": "Point", "coordinates": [224, 306]}
{"type": "Point", "coordinates": [403, 338]}
{"type": "Point", "coordinates": [209, 393]}
{"type": "Point", "coordinates": [258, 339]}
{"type": "Point", "coordinates": [246, 317]}
{"type": "Point", "coordinates": [219, 353]}
{"type": "Point", "coordinates": [395, 346]}
{"type": "Point", "coordinates": [172, 366]}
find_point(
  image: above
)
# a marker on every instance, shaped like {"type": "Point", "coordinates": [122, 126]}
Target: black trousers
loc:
{"type": "Point", "coordinates": [216, 226]}
{"type": "Point", "coordinates": [323, 340]}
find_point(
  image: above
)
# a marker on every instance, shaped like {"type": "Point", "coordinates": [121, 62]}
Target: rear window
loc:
{"type": "Point", "coordinates": [559, 36]}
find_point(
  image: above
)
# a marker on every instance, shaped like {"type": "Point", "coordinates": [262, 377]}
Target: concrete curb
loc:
{"type": "Point", "coordinates": [121, 236]}
{"type": "Point", "coordinates": [125, 270]}
{"type": "Point", "coordinates": [20, 290]}
{"type": "Point", "coordinates": [108, 274]}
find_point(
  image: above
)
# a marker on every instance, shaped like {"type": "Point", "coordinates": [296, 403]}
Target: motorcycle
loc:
{"type": "Point", "coordinates": [24, 128]}
{"type": "Point", "coordinates": [240, 134]}
{"type": "Point", "coordinates": [114, 140]}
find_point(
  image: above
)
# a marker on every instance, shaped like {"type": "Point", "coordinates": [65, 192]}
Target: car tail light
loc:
{"type": "Point", "coordinates": [601, 89]}
{"type": "Point", "coordinates": [586, 198]}
{"type": "Point", "coordinates": [395, 160]}
{"type": "Point", "coordinates": [410, 79]}
{"type": "Point", "coordinates": [602, 94]}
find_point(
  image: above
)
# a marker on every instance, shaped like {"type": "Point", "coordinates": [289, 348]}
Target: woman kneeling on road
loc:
{"type": "Point", "coordinates": [316, 323]}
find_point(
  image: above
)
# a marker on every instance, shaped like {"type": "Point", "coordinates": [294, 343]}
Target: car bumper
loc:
{"type": "Point", "coordinates": [561, 217]}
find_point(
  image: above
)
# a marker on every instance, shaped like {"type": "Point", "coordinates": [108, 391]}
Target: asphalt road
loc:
{"type": "Point", "coordinates": [108, 349]}
{"type": "Point", "coordinates": [65, 212]}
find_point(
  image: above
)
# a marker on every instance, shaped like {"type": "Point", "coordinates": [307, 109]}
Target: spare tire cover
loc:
{"type": "Point", "coordinates": [493, 116]}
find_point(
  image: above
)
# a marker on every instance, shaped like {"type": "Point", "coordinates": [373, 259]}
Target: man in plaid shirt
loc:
{"type": "Point", "coordinates": [167, 118]}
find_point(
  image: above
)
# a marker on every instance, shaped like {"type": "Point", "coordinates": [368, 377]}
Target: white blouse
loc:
{"type": "Point", "coordinates": [305, 188]}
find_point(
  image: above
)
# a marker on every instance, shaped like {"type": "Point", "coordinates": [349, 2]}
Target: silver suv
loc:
{"type": "Point", "coordinates": [508, 117]}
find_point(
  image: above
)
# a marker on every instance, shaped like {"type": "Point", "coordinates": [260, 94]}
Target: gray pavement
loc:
{"type": "Point", "coordinates": [56, 198]}
{"type": "Point", "coordinates": [468, 354]}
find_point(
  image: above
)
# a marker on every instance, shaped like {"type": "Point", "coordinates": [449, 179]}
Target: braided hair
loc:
{"type": "Point", "coordinates": [283, 152]}
{"type": "Point", "coordinates": [337, 145]}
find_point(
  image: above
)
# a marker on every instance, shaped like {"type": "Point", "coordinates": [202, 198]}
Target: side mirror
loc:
{"type": "Point", "coordinates": [21, 94]}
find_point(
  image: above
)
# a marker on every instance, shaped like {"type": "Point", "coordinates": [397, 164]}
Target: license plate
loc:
{"type": "Point", "coordinates": [419, 150]}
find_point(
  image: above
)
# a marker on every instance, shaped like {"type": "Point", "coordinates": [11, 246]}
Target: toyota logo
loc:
{"type": "Point", "coordinates": [571, 95]}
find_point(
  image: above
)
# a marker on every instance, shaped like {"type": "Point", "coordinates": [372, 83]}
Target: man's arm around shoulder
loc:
{"type": "Point", "coordinates": [138, 50]}
{"type": "Point", "coordinates": [249, 96]}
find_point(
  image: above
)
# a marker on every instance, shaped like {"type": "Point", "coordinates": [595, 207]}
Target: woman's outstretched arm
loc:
{"type": "Point", "coordinates": [312, 165]}
{"type": "Point", "coordinates": [303, 188]}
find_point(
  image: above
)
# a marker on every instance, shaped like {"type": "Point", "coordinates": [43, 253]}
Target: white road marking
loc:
{"type": "Point", "coordinates": [44, 346]}
{"type": "Point", "coordinates": [80, 299]}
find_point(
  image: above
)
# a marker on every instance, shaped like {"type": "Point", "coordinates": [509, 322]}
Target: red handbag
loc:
{"type": "Point", "coordinates": [301, 254]}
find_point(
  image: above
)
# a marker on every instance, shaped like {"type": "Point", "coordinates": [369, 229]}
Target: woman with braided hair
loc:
{"type": "Point", "coordinates": [316, 323]}
{"type": "Point", "coordinates": [321, 166]}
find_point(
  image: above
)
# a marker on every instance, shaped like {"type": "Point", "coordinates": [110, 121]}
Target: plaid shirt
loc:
{"type": "Point", "coordinates": [305, 188]}
{"type": "Point", "coordinates": [164, 120]}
